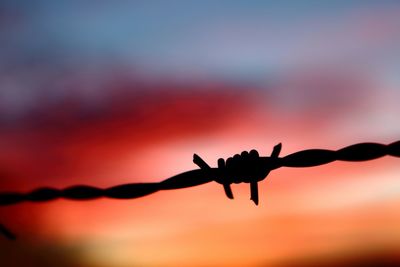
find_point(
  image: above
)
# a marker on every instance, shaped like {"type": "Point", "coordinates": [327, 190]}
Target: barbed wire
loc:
{"type": "Point", "coordinates": [248, 167]}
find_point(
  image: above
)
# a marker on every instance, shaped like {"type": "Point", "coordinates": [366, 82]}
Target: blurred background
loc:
{"type": "Point", "coordinates": [100, 92]}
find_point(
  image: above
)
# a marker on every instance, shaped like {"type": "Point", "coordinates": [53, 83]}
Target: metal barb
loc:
{"type": "Point", "coordinates": [204, 166]}
{"type": "Point", "coordinates": [248, 167]}
{"type": "Point", "coordinates": [254, 192]}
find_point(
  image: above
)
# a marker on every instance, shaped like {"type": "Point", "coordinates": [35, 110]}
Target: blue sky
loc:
{"type": "Point", "coordinates": [48, 45]}
{"type": "Point", "coordinates": [108, 92]}
{"type": "Point", "coordinates": [228, 38]}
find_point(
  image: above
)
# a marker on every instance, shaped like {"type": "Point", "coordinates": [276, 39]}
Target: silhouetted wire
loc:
{"type": "Point", "coordinates": [247, 167]}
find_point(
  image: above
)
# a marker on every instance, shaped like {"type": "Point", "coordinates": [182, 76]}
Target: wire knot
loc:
{"type": "Point", "coordinates": [243, 168]}
{"type": "Point", "coordinates": [248, 167]}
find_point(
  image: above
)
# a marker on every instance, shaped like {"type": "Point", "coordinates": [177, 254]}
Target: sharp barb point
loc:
{"type": "Point", "coordinates": [254, 192]}
{"type": "Point", "coordinates": [200, 162]}
{"type": "Point", "coordinates": [228, 191]}
{"type": "Point", "coordinates": [227, 172]}
{"type": "Point", "coordinates": [276, 150]}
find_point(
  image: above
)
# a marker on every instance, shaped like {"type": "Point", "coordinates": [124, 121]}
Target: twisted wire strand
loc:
{"type": "Point", "coordinates": [305, 158]}
{"type": "Point", "coordinates": [124, 191]}
{"type": "Point", "coordinates": [357, 152]}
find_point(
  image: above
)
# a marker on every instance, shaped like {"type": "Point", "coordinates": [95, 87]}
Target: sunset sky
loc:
{"type": "Point", "coordinates": [109, 92]}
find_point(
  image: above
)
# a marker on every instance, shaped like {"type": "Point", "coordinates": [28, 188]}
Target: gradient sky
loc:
{"type": "Point", "coordinates": [100, 92]}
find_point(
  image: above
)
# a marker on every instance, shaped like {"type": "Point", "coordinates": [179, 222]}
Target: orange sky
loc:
{"type": "Point", "coordinates": [109, 92]}
{"type": "Point", "coordinates": [332, 210]}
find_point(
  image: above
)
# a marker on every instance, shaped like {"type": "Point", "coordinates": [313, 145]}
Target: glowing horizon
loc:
{"type": "Point", "coordinates": [100, 93]}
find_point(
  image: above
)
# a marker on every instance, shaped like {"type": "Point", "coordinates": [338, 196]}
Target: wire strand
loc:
{"type": "Point", "coordinates": [247, 167]}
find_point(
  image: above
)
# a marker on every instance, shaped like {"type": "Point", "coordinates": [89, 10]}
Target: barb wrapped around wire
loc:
{"type": "Point", "coordinates": [248, 167]}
